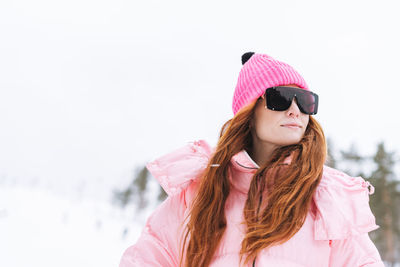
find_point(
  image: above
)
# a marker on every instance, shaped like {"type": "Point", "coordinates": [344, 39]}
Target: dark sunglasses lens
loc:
{"type": "Point", "coordinates": [278, 100]}
{"type": "Point", "coordinates": [307, 102]}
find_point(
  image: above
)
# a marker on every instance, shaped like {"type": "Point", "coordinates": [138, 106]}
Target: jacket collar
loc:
{"type": "Point", "coordinates": [243, 170]}
{"type": "Point", "coordinates": [243, 161]}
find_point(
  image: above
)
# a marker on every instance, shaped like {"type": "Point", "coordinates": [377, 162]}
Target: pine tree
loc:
{"type": "Point", "coordinates": [385, 205]}
{"type": "Point", "coordinates": [135, 192]}
{"type": "Point", "coordinates": [385, 202]}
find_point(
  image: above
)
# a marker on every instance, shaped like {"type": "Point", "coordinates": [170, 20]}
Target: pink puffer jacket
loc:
{"type": "Point", "coordinates": [335, 235]}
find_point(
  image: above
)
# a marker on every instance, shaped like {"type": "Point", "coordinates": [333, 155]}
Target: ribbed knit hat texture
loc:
{"type": "Point", "coordinates": [259, 72]}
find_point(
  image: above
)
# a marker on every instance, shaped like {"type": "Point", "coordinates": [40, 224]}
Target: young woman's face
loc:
{"type": "Point", "coordinates": [278, 128]}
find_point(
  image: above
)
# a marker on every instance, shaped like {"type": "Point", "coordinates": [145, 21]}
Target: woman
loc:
{"type": "Point", "coordinates": [262, 196]}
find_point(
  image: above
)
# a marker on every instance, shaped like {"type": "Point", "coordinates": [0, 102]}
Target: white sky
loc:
{"type": "Point", "coordinates": [89, 89]}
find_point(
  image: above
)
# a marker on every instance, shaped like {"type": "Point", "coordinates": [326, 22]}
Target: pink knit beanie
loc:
{"type": "Point", "coordinates": [259, 72]}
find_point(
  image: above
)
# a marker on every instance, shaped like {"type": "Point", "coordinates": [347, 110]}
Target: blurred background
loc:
{"type": "Point", "coordinates": [90, 91]}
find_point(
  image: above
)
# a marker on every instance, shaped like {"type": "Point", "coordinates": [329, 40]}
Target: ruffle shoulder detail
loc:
{"type": "Point", "coordinates": [342, 204]}
{"type": "Point", "coordinates": [177, 169]}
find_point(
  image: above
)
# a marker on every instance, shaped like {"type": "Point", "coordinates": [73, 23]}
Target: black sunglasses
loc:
{"type": "Point", "coordinates": [280, 98]}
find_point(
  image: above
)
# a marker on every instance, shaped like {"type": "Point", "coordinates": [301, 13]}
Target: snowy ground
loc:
{"type": "Point", "coordinates": [41, 227]}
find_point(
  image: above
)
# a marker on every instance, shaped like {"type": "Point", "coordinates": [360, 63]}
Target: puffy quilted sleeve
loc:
{"type": "Point", "coordinates": [176, 170]}
{"type": "Point", "coordinates": [344, 218]}
{"type": "Point", "coordinates": [158, 244]}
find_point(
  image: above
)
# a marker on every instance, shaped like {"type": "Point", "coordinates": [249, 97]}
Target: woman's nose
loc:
{"type": "Point", "coordinates": [293, 110]}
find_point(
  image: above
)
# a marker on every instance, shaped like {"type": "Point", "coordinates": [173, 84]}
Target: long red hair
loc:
{"type": "Point", "coordinates": [275, 208]}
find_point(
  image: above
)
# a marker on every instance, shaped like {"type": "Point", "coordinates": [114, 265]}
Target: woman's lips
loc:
{"type": "Point", "coordinates": [291, 126]}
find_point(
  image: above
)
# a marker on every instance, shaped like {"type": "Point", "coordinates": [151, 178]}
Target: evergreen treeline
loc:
{"type": "Point", "coordinates": [378, 169]}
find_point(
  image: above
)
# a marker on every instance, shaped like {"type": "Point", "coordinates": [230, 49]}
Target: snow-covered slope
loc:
{"type": "Point", "coordinates": [40, 227]}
